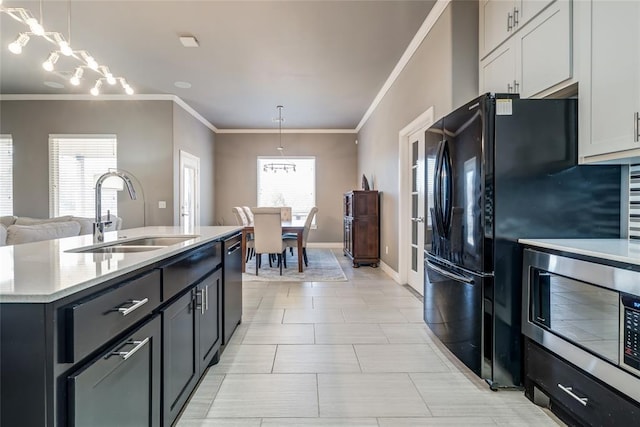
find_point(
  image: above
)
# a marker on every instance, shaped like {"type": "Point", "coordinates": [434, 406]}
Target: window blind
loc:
{"type": "Point", "coordinates": [75, 163]}
{"type": "Point", "coordinates": [296, 189]}
{"type": "Point", "coordinates": [634, 201]}
{"type": "Point", "coordinates": [6, 175]}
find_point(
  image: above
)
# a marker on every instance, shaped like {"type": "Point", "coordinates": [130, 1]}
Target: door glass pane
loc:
{"type": "Point", "coordinates": [414, 233]}
{"type": "Point", "coordinates": [414, 206]}
{"type": "Point", "coordinates": [414, 258]}
{"type": "Point", "coordinates": [414, 179]}
{"type": "Point", "coordinates": [414, 153]}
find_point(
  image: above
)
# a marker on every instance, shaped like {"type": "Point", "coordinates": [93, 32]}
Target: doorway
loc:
{"type": "Point", "coordinates": [189, 190]}
{"type": "Point", "coordinates": [412, 192]}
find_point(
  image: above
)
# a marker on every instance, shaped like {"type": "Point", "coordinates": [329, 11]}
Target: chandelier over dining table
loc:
{"type": "Point", "coordinates": [284, 164]}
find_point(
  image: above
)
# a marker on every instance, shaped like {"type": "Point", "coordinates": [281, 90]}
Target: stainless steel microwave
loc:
{"type": "Point", "coordinates": [587, 313]}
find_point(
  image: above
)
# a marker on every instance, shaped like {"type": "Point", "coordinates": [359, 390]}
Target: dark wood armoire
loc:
{"type": "Point", "coordinates": [362, 227]}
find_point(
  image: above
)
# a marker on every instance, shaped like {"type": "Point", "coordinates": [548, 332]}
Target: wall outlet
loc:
{"type": "Point", "coordinates": [386, 250]}
{"type": "Point", "coordinates": [162, 204]}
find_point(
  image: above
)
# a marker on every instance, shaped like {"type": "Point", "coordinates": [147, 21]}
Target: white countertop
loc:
{"type": "Point", "coordinates": [622, 250]}
{"type": "Point", "coordinates": [43, 272]}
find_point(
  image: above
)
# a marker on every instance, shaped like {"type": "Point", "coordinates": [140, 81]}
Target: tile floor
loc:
{"type": "Point", "coordinates": [353, 353]}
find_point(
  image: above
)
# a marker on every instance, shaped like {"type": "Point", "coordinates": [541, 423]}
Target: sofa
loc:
{"type": "Point", "coordinates": [15, 230]}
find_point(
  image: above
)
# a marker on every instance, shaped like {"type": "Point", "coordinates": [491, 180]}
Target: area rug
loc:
{"type": "Point", "coordinates": [323, 267]}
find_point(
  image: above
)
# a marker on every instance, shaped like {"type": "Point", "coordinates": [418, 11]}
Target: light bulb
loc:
{"type": "Point", "coordinates": [91, 62]}
{"type": "Point", "coordinates": [128, 90]}
{"type": "Point", "coordinates": [95, 91]}
{"type": "Point", "coordinates": [18, 44]}
{"type": "Point", "coordinates": [75, 80]}
{"type": "Point", "coordinates": [65, 48]}
{"type": "Point", "coordinates": [51, 61]}
{"type": "Point", "coordinates": [35, 26]}
{"type": "Point", "coordinates": [110, 79]}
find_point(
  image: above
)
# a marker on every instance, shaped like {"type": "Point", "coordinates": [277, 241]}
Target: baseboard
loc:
{"type": "Point", "coordinates": [324, 245]}
{"type": "Point", "coordinates": [390, 271]}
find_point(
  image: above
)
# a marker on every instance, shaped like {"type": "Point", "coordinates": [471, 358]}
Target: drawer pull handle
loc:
{"type": "Point", "coordinates": [569, 390]}
{"type": "Point", "coordinates": [127, 354]}
{"type": "Point", "coordinates": [136, 305]}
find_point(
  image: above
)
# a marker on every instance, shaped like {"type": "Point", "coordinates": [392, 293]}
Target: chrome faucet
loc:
{"type": "Point", "coordinates": [99, 225]}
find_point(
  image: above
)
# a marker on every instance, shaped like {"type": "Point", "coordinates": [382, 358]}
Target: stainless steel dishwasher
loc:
{"type": "Point", "coordinates": [232, 286]}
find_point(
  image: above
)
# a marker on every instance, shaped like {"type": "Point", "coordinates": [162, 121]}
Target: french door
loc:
{"type": "Point", "coordinates": [189, 190]}
{"type": "Point", "coordinates": [415, 276]}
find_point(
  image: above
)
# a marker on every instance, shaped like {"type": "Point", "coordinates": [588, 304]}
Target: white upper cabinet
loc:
{"type": "Point", "coordinates": [499, 19]}
{"type": "Point", "coordinates": [537, 57]}
{"type": "Point", "coordinates": [610, 102]}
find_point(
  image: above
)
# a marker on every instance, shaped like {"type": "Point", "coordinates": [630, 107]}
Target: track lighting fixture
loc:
{"type": "Point", "coordinates": [62, 46]}
{"type": "Point", "coordinates": [95, 91]}
{"type": "Point", "coordinates": [19, 43]}
{"type": "Point", "coordinates": [77, 75]}
{"type": "Point", "coordinates": [51, 61]}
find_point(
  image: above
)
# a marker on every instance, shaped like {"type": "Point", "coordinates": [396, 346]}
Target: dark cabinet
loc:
{"type": "Point", "coordinates": [208, 318]}
{"type": "Point", "coordinates": [362, 227]}
{"type": "Point", "coordinates": [121, 386]}
{"type": "Point", "coordinates": [191, 340]}
{"type": "Point", "coordinates": [180, 371]}
{"type": "Point", "coordinates": [576, 397]}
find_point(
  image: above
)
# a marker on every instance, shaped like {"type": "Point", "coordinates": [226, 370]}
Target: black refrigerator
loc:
{"type": "Point", "coordinates": [498, 169]}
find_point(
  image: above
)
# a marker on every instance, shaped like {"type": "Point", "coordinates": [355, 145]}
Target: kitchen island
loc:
{"type": "Point", "coordinates": [116, 333]}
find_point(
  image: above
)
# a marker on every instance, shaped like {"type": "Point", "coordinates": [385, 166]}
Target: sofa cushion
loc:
{"type": "Point", "coordinates": [86, 224]}
{"type": "Point", "coordinates": [25, 220]}
{"type": "Point", "coordinates": [8, 220]}
{"type": "Point", "coordinates": [3, 235]}
{"type": "Point", "coordinates": [17, 234]}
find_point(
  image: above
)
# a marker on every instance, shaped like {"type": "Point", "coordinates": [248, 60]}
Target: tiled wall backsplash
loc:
{"type": "Point", "coordinates": [634, 202]}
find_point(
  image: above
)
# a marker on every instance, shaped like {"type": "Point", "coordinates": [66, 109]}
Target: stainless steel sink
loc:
{"type": "Point", "coordinates": [157, 241]}
{"type": "Point", "coordinates": [117, 249]}
{"type": "Point", "coordinates": [142, 244]}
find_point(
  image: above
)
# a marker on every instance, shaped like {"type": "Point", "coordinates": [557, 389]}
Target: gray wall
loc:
{"type": "Point", "coordinates": [145, 132]}
{"type": "Point", "coordinates": [192, 136]}
{"type": "Point", "coordinates": [443, 73]}
{"type": "Point", "coordinates": [336, 162]}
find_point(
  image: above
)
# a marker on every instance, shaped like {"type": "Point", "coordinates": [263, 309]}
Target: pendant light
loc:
{"type": "Point", "coordinates": [283, 165]}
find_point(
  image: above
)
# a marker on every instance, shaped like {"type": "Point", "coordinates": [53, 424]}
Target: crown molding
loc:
{"type": "Point", "coordinates": [352, 131]}
{"type": "Point", "coordinates": [136, 97]}
{"type": "Point", "coordinates": [424, 29]}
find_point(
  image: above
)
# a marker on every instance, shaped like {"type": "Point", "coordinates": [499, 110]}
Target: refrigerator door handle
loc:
{"type": "Point", "coordinates": [450, 275]}
{"type": "Point", "coordinates": [447, 210]}
{"type": "Point", "coordinates": [437, 190]}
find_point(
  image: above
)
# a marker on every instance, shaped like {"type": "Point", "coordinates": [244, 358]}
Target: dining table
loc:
{"type": "Point", "coordinates": [295, 226]}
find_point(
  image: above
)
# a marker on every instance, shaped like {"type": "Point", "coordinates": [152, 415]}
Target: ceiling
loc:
{"type": "Point", "coordinates": [325, 61]}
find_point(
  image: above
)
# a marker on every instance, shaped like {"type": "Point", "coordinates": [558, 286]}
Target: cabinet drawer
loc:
{"type": "Point", "coordinates": [121, 387]}
{"type": "Point", "coordinates": [566, 385]}
{"type": "Point", "coordinates": [189, 269]}
{"type": "Point", "coordinates": [93, 322]}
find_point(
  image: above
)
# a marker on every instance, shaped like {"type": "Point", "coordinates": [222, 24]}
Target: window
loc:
{"type": "Point", "coordinates": [75, 163]}
{"type": "Point", "coordinates": [296, 189]}
{"type": "Point", "coordinates": [6, 175]}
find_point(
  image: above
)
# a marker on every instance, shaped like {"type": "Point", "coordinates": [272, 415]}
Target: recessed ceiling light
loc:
{"type": "Point", "coordinates": [189, 41]}
{"type": "Point", "coordinates": [182, 85]}
{"type": "Point", "coordinates": [55, 85]}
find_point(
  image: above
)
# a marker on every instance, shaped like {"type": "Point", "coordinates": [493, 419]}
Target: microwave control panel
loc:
{"type": "Point", "coordinates": [630, 332]}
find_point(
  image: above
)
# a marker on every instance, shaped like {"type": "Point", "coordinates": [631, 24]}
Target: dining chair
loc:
{"type": "Point", "coordinates": [285, 213]}
{"type": "Point", "coordinates": [248, 213]}
{"type": "Point", "coordinates": [242, 219]}
{"type": "Point", "coordinates": [267, 233]}
{"type": "Point", "coordinates": [291, 239]}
